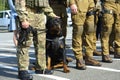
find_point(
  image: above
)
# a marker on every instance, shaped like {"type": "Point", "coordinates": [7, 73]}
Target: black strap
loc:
{"type": "Point", "coordinates": [105, 11]}
{"type": "Point", "coordinates": [91, 13]}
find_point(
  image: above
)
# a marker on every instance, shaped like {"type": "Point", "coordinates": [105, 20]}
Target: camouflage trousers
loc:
{"type": "Point", "coordinates": [36, 21]}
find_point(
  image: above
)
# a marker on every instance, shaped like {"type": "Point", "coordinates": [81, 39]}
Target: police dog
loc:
{"type": "Point", "coordinates": [55, 47]}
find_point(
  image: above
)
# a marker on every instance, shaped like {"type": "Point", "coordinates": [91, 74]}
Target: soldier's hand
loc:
{"type": "Point", "coordinates": [25, 24]}
{"type": "Point", "coordinates": [73, 8]}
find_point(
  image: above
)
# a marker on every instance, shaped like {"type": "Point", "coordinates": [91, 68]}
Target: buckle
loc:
{"type": "Point", "coordinates": [111, 11]}
{"type": "Point", "coordinates": [108, 11]}
{"type": "Point", "coordinates": [90, 13]}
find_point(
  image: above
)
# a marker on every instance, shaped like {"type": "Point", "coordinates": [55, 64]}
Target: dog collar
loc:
{"type": "Point", "coordinates": [62, 37]}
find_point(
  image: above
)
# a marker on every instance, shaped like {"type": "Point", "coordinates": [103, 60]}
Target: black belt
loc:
{"type": "Point", "coordinates": [90, 13]}
{"type": "Point", "coordinates": [105, 11]}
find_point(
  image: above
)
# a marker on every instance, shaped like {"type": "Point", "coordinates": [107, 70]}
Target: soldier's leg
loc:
{"type": "Point", "coordinates": [39, 43]}
{"type": "Point", "coordinates": [117, 36]}
{"type": "Point", "coordinates": [97, 36]}
{"type": "Point", "coordinates": [95, 52]}
{"type": "Point", "coordinates": [64, 27]}
{"type": "Point", "coordinates": [89, 36]}
{"type": "Point", "coordinates": [23, 59]}
{"type": "Point", "coordinates": [64, 22]}
{"type": "Point", "coordinates": [111, 41]}
{"type": "Point", "coordinates": [77, 39]}
{"type": "Point", "coordinates": [77, 46]}
{"type": "Point", "coordinates": [98, 26]}
{"type": "Point", "coordinates": [106, 31]}
{"type": "Point", "coordinates": [40, 54]}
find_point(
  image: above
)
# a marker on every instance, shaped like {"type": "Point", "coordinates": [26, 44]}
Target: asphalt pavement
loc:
{"type": "Point", "coordinates": [8, 63]}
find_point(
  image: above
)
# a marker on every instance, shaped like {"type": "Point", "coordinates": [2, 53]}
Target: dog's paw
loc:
{"type": "Point", "coordinates": [66, 70]}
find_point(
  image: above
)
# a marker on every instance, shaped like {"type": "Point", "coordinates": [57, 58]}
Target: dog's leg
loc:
{"type": "Point", "coordinates": [49, 63]}
{"type": "Point", "coordinates": [65, 67]}
{"type": "Point", "coordinates": [59, 65]}
{"type": "Point", "coordinates": [66, 70]}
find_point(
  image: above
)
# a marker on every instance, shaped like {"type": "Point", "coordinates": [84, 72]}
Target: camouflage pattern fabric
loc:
{"type": "Point", "coordinates": [36, 3]}
{"type": "Point", "coordinates": [37, 21]}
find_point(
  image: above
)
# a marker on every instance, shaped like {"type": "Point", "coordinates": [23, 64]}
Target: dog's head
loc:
{"type": "Point", "coordinates": [54, 33]}
{"type": "Point", "coordinates": [53, 26]}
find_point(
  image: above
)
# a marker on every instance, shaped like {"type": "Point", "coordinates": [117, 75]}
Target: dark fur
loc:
{"type": "Point", "coordinates": [55, 47]}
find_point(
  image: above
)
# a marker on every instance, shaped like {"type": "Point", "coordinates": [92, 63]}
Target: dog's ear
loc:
{"type": "Point", "coordinates": [52, 21]}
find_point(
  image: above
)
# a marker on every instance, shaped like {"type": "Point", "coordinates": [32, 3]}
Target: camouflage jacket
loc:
{"type": "Point", "coordinates": [20, 6]}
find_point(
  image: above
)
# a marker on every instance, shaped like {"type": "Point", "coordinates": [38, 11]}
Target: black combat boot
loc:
{"type": "Point", "coordinates": [24, 75]}
{"type": "Point", "coordinates": [80, 64]}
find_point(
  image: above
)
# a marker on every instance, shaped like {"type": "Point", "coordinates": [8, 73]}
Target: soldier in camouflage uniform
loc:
{"type": "Point", "coordinates": [111, 21]}
{"type": "Point", "coordinates": [32, 13]}
{"type": "Point", "coordinates": [79, 9]}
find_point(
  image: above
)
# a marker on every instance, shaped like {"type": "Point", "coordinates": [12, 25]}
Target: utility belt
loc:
{"type": "Point", "coordinates": [34, 10]}
{"type": "Point", "coordinates": [115, 1]}
{"type": "Point", "coordinates": [105, 11]}
{"type": "Point", "coordinates": [91, 13]}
